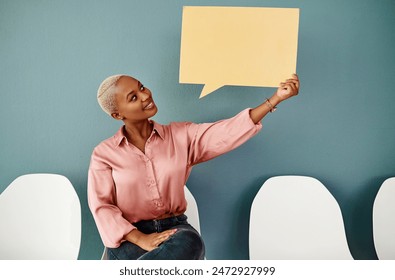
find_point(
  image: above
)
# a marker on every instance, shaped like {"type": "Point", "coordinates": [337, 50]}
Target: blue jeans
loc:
{"type": "Point", "coordinates": [185, 244]}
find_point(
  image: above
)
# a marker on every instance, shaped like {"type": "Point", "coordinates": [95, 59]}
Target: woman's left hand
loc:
{"type": "Point", "coordinates": [288, 88]}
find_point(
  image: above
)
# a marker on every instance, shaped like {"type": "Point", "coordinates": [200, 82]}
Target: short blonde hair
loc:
{"type": "Point", "coordinates": [106, 94]}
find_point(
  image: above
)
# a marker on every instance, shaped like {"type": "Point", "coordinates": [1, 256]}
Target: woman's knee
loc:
{"type": "Point", "coordinates": [191, 241]}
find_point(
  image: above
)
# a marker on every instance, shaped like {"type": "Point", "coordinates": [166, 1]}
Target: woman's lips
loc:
{"type": "Point", "coordinates": [149, 106]}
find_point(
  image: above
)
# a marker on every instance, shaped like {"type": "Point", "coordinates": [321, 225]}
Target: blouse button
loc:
{"type": "Point", "coordinates": [158, 203]}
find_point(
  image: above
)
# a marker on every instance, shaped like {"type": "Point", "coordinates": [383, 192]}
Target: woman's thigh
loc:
{"type": "Point", "coordinates": [126, 251]}
{"type": "Point", "coordinates": [185, 244]}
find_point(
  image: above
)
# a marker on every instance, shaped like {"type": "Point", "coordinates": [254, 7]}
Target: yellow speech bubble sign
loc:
{"type": "Point", "coordinates": [242, 46]}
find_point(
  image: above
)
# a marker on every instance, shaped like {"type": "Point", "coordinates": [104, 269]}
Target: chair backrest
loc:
{"type": "Point", "coordinates": [192, 210]}
{"type": "Point", "coordinates": [40, 219]}
{"type": "Point", "coordinates": [296, 217]}
{"type": "Point", "coordinates": [384, 220]}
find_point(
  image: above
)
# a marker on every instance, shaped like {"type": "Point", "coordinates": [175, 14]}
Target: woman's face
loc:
{"type": "Point", "coordinates": [134, 101]}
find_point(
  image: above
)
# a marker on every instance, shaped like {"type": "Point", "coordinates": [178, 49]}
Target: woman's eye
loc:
{"type": "Point", "coordinates": [134, 98]}
{"type": "Point", "coordinates": [142, 88]}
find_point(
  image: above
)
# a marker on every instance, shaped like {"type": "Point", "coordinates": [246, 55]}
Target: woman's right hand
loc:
{"type": "Point", "coordinates": [151, 241]}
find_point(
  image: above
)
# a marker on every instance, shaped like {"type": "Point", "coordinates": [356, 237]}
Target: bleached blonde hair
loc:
{"type": "Point", "coordinates": [106, 94]}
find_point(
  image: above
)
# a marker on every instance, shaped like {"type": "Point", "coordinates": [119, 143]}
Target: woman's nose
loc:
{"type": "Point", "coordinates": [144, 95]}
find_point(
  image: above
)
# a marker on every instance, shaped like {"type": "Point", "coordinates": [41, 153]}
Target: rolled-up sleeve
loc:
{"type": "Point", "coordinates": [112, 226]}
{"type": "Point", "coordinates": [209, 140]}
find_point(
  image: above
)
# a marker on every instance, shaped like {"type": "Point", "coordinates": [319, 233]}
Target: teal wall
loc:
{"type": "Point", "coordinates": [340, 129]}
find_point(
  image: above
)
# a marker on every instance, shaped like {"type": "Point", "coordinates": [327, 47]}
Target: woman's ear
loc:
{"type": "Point", "coordinates": [117, 116]}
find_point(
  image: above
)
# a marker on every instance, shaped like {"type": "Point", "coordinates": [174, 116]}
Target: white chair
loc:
{"type": "Point", "coordinates": [384, 220]}
{"type": "Point", "coordinates": [296, 217]}
{"type": "Point", "coordinates": [192, 213]}
{"type": "Point", "coordinates": [40, 218]}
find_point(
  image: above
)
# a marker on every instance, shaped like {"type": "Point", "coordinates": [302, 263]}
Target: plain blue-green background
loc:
{"type": "Point", "coordinates": [340, 129]}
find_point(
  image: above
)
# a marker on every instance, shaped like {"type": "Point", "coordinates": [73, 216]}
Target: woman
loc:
{"type": "Point", "coordinates": [136, 178]}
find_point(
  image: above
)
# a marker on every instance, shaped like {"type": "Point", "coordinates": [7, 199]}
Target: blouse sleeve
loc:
{"type": "Point", "coordinates": [111, 225]}
{"type": "Point", "coordinates": [209, 140]}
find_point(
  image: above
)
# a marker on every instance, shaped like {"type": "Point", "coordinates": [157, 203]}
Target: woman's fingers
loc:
{"type": "Point", "coordinates": [288, 88]}
{"type": "Point", "coordinates": [163, 236]}
{"type": "Point", "coordinates": [294, 82]}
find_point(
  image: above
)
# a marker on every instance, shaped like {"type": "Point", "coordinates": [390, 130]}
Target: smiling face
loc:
{"type": "Point", "coordinates": [134, 101]}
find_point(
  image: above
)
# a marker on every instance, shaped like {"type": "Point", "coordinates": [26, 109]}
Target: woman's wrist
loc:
{"type": "Point", "coordinates": [134, 236]}
{"type": "Point", "coordinates": [274, 100]}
